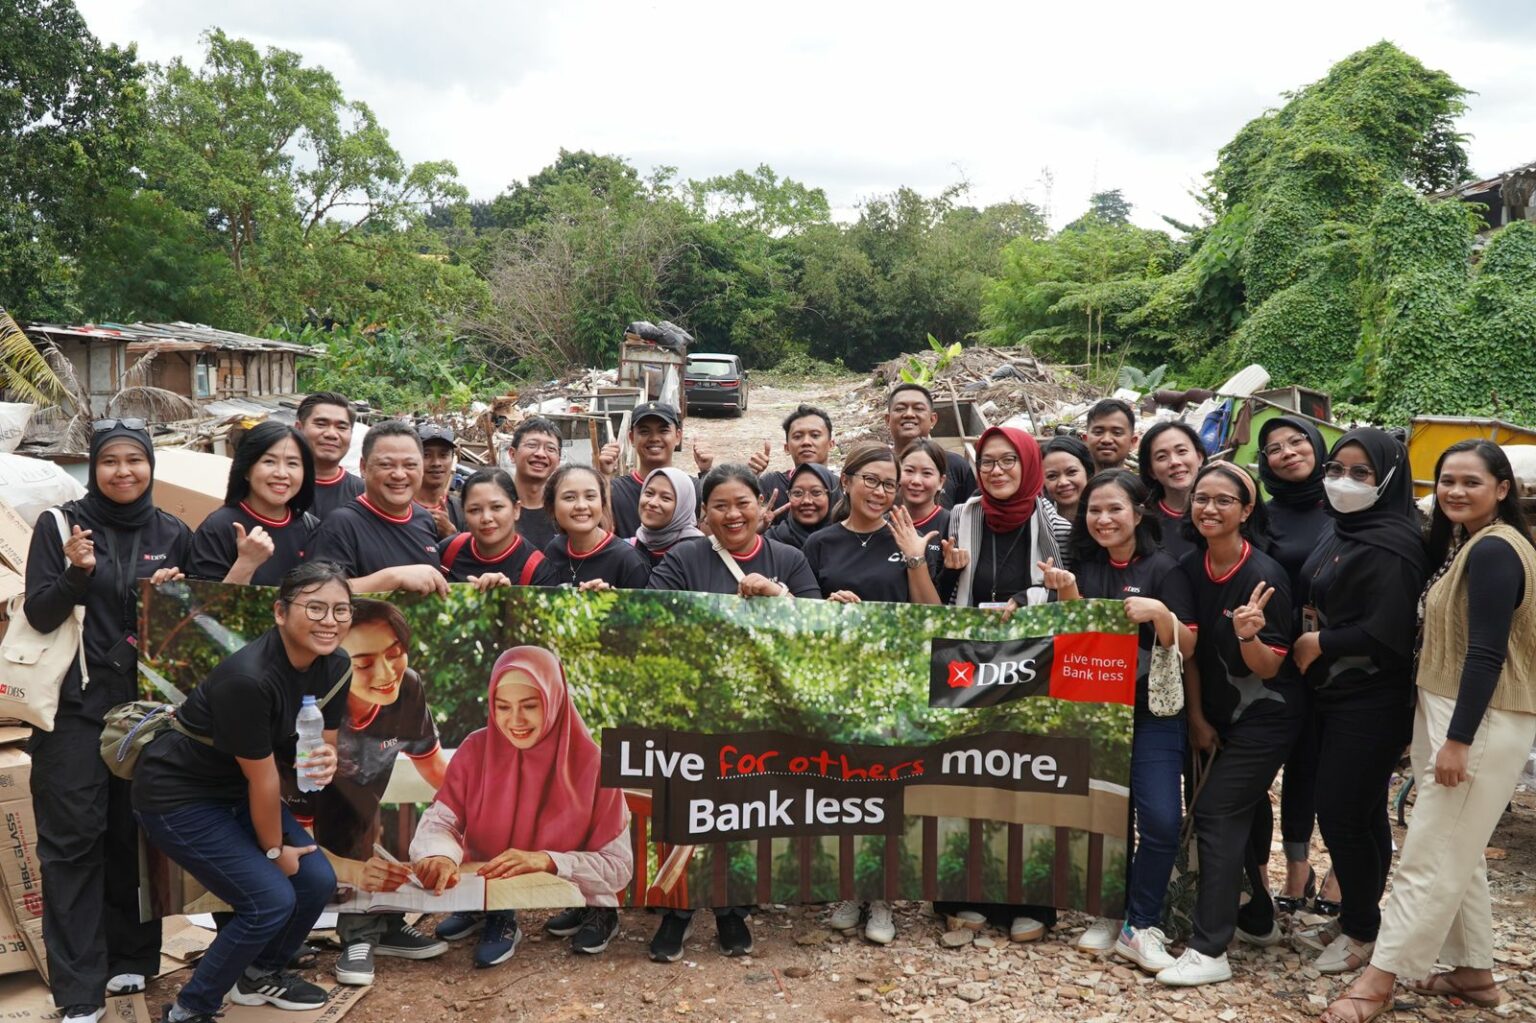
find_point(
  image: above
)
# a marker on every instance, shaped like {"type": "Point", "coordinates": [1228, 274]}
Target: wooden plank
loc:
{"type": "Point", "coordinates": [892, 882]}
{"type": "Point", "coordinates": [1094, 886]}
{"type": "Point", "coordinates": [1016, 856]}
{"type": "Point", "coordinates": [930, 858]}
{"type": "Point", "coordinates": [803, 844]}
{"type": "Point", "coordinates": [973, 860]}
{"type": "Point", "coordinates": [845, 857]}
{"type": "Point", "coordinates": [1061, 869]}
{"type": "Point", "coordinates": [765, 870]}
{"type": "Point", "coordinates": [719, 867]}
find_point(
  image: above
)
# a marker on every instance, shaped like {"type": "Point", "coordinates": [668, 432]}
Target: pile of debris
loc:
{"type": "Point", "coordinates": [1002, 383]}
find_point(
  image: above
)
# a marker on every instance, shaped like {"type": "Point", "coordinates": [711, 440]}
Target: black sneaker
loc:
{"type": "Point", "coordinates": [498, 941]}
{"type": "Point", "coordinates": [457, 926]}
{"type": "Point", "coordinates": [667, 945]}
{"type": "Point", "coordinates": [599, 929]}
{"type": "Point", "coordinates": [566, 922]}
{"type": "Point", "coordinates": [281, 988]}
{"type": "Point", "coordinates": [402, 941]}
{"type": "Point", "coordinates": [196, 1017]}
{"type": "Point", "coordinates": [734, 934]}
{"type": "Point", "coordinates": [354, 966]}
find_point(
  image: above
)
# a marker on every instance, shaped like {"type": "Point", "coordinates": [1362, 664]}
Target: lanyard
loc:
{"type": "Point", "coordinates": [1017, 535]}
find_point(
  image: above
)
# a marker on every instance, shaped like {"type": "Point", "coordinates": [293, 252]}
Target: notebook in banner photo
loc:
{"type": "Point", "coordinates": [1087, 667]}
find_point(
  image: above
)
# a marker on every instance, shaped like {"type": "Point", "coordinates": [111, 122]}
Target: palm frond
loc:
{"type": "Point", "coordinates": [24, 370]}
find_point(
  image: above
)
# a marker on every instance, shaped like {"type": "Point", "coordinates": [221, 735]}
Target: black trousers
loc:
{"type": "Point", "coordinates": [88, 844]}
{"type": "Point", "coordinates": [1364, 730]}
{"type": "Point", "coordinates": [1252, 751]}
{"type": "Point", "coordinates": [1298, 789]}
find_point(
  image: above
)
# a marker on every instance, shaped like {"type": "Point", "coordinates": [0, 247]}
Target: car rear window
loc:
{"type": "Point", "coordinates": [712, 368]}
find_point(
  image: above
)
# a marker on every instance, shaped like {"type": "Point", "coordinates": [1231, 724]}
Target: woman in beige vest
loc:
{"type": "Point", "coordinates": [1475, 723]}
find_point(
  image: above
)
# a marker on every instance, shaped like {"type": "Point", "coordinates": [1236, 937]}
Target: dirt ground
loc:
{"type": "Point", "coordinates": [800, 971]}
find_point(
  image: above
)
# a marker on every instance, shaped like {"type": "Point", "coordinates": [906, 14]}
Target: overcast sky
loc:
{"type": "Point", "coordinates": [859, 98]}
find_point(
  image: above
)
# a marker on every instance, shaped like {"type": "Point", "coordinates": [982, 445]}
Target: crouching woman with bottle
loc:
{"type": "Point", "coordinates": [211, 799]}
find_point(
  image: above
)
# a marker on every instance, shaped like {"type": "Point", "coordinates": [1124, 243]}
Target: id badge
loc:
{"type": "Point", "coordinates": [124, 655]}
{"type": "Point", "coordinates": [1309, 620]}
{"type": "Point", "coordinates": [992, 605]}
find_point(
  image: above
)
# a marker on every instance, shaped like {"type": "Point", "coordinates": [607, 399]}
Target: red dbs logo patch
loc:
{"type": "Point", "coordinates": [962, 674]}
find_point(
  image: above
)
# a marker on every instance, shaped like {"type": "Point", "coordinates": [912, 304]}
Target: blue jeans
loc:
{"type": "Point", "coordinates": [1157, 763]}
{"type": "Point", "coordinates": [272, 914]}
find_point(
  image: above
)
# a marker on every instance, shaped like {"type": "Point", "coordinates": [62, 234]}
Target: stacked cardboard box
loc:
{"type": "Point", "coordinates": [21, 880]}
{"type": "Point", "coordinates": [15, 538]}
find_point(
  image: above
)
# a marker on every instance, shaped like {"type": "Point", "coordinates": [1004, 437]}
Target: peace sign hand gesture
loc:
{"type": "Point", "coordinates": [1248, 619]}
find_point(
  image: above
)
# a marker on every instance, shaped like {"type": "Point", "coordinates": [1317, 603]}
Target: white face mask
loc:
{"type": "Point", "coordinates": [1349, 496]}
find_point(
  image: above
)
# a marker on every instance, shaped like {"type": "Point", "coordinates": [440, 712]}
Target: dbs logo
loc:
{"type": "Point", "coordinates": [962, 674]}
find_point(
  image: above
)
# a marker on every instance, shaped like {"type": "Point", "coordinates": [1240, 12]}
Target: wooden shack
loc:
{"type": "Point", "coordinates": [198, 362]}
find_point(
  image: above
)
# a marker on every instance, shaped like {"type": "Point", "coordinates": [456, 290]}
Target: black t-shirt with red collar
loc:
{"type": "Point", "coordinates": [363, 540]}
{"type": "Point", "coordinates": [1229, 690]}
{"type": "Point", "coordinates": [341, 489]}
{"type": "Point", "coordinates": [214, 547]}
{"type": "Point", "coordinates": [613, 560]}
{"type": "Point", "coordinates": [625, 497]}
{"type": "Point", "coordinates": [936, 521]}
{"type": "Point", "coordinates": [694, 564]}
{"type": "Point", "coordinates": [453, 504]}
{"type": "Point", "coordinates": [1156, 575]}
{"type": "Point", "coordinates": [460, 558]}
{"type": "Point", "coordinates": [1174, 541]}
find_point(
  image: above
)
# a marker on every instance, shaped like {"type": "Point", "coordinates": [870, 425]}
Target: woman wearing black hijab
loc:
{"type": "Point", "coordinates": [87, 840]}
{"type": "Point", "coordinates": [1291, 456]}
{"type": "Point", "coordinates": [811, 510]}
{"type": "Point", "coordinates": [1358, 594]}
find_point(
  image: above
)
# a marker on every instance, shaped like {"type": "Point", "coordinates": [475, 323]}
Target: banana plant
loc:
{"type": "Point", "coordinates": [919, 372]}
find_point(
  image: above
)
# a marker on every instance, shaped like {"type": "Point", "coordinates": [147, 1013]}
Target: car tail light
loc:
{"type": "Point", "coordinates": [729, 383]}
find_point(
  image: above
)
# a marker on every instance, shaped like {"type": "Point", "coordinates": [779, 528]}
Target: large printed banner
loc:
{"type": "Point", "coordinates": [743, 751]}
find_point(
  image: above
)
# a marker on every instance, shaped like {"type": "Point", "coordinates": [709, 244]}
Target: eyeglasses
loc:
{"type": "Point", "coordinates": [813, 494]}
{"type": "Point", "coordinates": [876, 483]}
{"type": "Point", "coordinates": [1282, 446]}
{"type": "Point", "coordinates": [1222, 501]}
{"type": "Point", "coordinates": [316, 610]}
{"type": "Point", "coordinates": [1007, 463]}
{"type": "Point", "coordinates": [103, 425]}
{"type": "Point", "coordinates": [533, 446]}
{"type": "Point", "coordinates": [1358, 472]}
{"type": "Point", "coordinates": [431, 431]}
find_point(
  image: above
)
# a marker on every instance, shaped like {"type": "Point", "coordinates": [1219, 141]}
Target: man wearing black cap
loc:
{"type": "Point", "coordinates": [655, 431]}
{"type": "Point", "coordinates": [438, 454]}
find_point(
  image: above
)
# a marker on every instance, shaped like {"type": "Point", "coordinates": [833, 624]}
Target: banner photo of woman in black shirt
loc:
{"type": "Point", "coordinates": [1248, 708]}
{"type": "Point", "coordinates": [668, 513]}
{"type": "Point", "coordinates": [871, 551]}
{"type": "Point", "coordinates": [264, 529]}
{"type": "Point", "coordinates": [586, 553]}
{"type": "Point", "coordinates": [491, 552]}
{"type": "Point", "coordinates": [812, 489]}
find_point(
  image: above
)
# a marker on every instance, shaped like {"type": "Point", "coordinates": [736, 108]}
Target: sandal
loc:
{"type": "Point", "coordinates": [1377, 1007]}
{"type": "Point", "coordinates": [1325, 907]}
{"type": "Point", "coordinates": [1441, 985]}
{"type": "Point", "coordinates": [1294, 904]}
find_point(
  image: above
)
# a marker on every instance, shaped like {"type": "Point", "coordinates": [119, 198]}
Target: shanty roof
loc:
{"type": "Point", "coordinates": [170, 337]}
{"type": "Point", "coordinates": [1471, 188]}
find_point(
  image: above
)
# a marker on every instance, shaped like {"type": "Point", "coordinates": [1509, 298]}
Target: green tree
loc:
{"type": "Point", "coordinates": [71, 111]}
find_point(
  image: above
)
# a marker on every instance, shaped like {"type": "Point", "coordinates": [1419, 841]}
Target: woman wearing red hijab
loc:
{"type": "Point", "coordinates": [523, 795]}
{"type": "Point", "coordinates": [1002, 544]}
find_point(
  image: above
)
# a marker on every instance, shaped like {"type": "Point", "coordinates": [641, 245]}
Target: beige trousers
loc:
{"type": "Point", "coordinates": [1439, 907]}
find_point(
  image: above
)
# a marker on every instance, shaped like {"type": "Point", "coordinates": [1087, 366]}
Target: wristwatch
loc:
{"type": "Point", "coordinates": [1247, 639]}
{"type": "Point", "coordinates": [274, 852]}
{"type": "Point", "coordinates": [913, 561]}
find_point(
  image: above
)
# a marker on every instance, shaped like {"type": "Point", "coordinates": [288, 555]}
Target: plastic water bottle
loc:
{"type": "Point", "coordinates": [311, 725]}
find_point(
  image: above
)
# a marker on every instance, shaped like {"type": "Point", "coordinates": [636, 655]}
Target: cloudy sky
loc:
{"type": "Point", "coordinates": [859, 98]}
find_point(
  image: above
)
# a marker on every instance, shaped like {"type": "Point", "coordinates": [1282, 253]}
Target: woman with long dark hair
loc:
{"type": "Point", "coordinates": [1067, 466]}
{"type": "Point", "coordinates": [586, 553]}
{"type": "Point", "coordinates": [1291, 457]}
{"type": "Point", "coordinates": [1170, 455]}
{"type": "Point", "coordinates": [87, 840]}
{"type": "Point", "coordinates": [1244, 699]}
{"type": "Point", "coordinates": [262, 532]}
{"type": "Point", "coordinates": [1472, 730]}
{"type": "Point", "coordinates": [923, 465]}
{"type": "Point", "coordinates": [1116, 556]}
{"type": "Point", "coordinates": [1357, 593]}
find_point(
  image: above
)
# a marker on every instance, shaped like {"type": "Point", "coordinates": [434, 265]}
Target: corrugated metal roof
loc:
{"type": "Point", "coordinates": [170, 337]}
{"type": "Point", "coordinates": [1487, 184]}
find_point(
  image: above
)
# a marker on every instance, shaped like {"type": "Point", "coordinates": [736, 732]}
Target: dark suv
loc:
{"type": "Point", "coordinates": [715, 381]}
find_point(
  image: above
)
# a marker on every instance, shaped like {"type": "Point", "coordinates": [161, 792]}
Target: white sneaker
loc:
{"type": "Point", "coordinates": [1270, 940]}
{"type": "Point", "coordinates": [1025, 928]}
{"type": "Point", "coordinates": [1335, 958]}
{"type": "Point", "coordinates": [1147, 947]}
{"type": "Point", "coordinates": [1100, 937]}
{"type": "Point", "coordinates": [844, 915]}
{"type": "Point", "coordinates": [966, 919]}
{"type": "Point", "coordinates": [880, 928]}
{"type": "Point", "coordinates": [126, 984]}
{"type": "Point", "coordinates": [85, 1014]}
{"type": "Point", "coordinates": [1193, 969]}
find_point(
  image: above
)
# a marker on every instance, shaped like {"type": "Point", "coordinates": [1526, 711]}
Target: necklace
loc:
{"type": "Point", "coordinates": [864, 538]}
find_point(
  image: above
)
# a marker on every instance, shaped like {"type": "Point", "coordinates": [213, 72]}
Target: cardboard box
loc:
{"type": "Point", "coordinates": [13, 948]}
{"type": "Point", "coordinates": [15, 538]}
{"type": "Point", "coordinates": [190, 484]}
{"type": "Point", "coordinates": [19, 867]}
